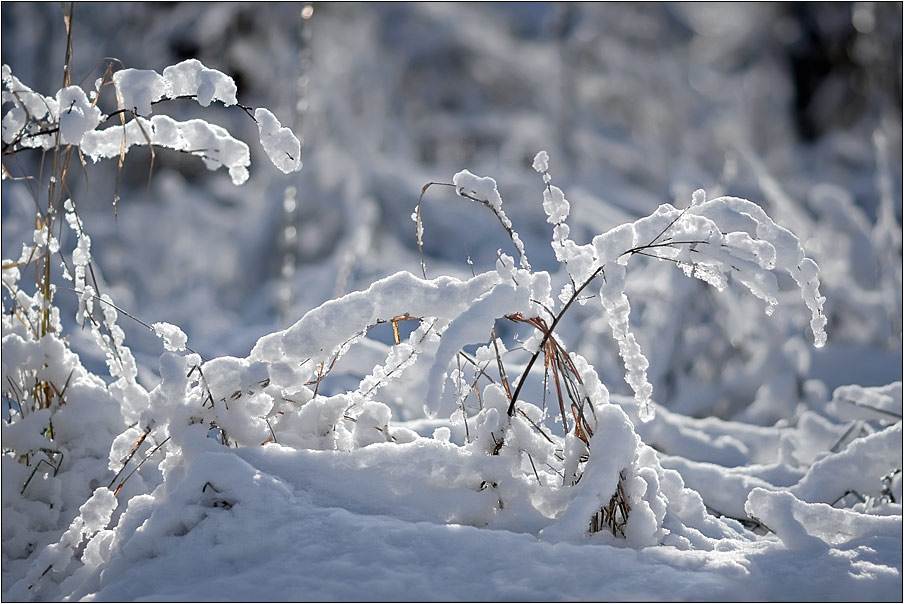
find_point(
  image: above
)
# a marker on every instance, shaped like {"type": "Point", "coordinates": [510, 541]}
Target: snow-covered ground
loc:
{"type": "Point", "coordinates": [639, 339]}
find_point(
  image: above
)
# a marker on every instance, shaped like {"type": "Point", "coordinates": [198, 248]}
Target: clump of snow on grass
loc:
{"type": "Point", "coordinates": [554, 203]}
{"type": "Point", "coordinates": [482, 189]}
{"type": "Point", "coordinates": [283, 149]}
{"type": "Point", "coordinates": [77, 115]}
{"type": "Point", "coordinates": [212, 143]}
{"type": "Point", "coordinates": [28, 111]}
{"type": "Point", "coordinates": [192, 78]}
{"type": "Point", "coordinates": [174, 339]}
{"type": "Point", "coordinates": [93, 516]}
{"type": "Point", "coordinates": [736, 214]}
{"type": "Point", "coordinates": [857, 402]}
{"type": "Point", "coordinates": [600, 474]}
{"type": "Point", "coordinates": [814, 527]}
{"type": "Point", "coordinates": [612, 245]}
{"type": "Point", "coordinates": [618, 312]}
{"type": "Point", "coordinates": [138, 89]}
{"type": "Point", "coordinates": [323, 330]}
{"type": "Point", "coordinates": [541, 162]}
{"type": "Point", "coordinates": [469, 327]}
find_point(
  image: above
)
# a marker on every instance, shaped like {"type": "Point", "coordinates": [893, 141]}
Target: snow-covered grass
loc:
{"type": "Point", "coordinates": [698, 399]}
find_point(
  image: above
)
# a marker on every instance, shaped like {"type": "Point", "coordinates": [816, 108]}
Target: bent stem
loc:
{"type": "Point", "coordinates": [420, 224]}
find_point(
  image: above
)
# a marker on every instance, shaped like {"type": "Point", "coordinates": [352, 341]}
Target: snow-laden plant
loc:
{"type": "Point", "coordinates": [71, 122]}
{"type": "Point", "coordinates": [559, 469]}
{"type": "Point", "coordinates": [225, 443]}
{"type": "Point", "coordinates": [59, 423]}
{"type": "Point", "coordinates": [59, 419]}
{"type": "Point", "coordinates": [72, 117]}
{"type": "Point", "coordinates": [577, 463]}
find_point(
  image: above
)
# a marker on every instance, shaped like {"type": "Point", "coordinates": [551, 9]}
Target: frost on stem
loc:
{"type": "Point", "coordinates": [81, 257]}
{"type": "Point", "coordinates": [555, 205]}
{"type": "Point", "coordinates": [618, 312]}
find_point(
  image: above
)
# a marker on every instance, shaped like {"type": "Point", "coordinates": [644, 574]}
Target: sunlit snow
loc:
{"type": "Point", "coordinates": [692, 391]}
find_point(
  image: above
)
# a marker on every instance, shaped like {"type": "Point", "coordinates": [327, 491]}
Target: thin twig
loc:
{"type": "Point", "coordinates": [546, 335]}
{"type": "Point", "coordinates": [871, 408]}
{"type": "Point", "coordinates": [135, 446]}
{"type": "Point", "coordinates": [141, 463]}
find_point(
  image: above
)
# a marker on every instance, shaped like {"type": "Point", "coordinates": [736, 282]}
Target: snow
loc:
{"type": "Point", "coordinates": [192, 78]}
{"type": "Point", "coordinates": [325, 328]}
{"type": "Point", "coordinates": [352, 545]}
{"type": "Point", "coordinates": [210, 142]}
{"type": "Point", "coordinates": [693, 391]}
{"type": "Point", "coordinates": [482, 189]}
{"type": "Point", "coordinates": [137, 89]}
{"type": "Point", "coordinates": [78, 115]}
{"type": "Point", "coordinates": [541, 162]}
{"type": "Point", "coordinates": [469, 327]}
{"type": "Point", "coordinates": [611, 245]}
{"type": "Point", "coordinates": [281, 146]}
{"type": "Point", "coordinates": [555, 205]}
{"type": "Point", "coordinates": [28, 103]}
{"type": "Point", "coordinates": [174, 339]}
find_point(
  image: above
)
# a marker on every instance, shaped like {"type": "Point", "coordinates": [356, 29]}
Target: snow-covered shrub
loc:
{"type": "Point", "coordinates": [577, 463]}
{"type": "Point", "coordinates": [59, 423]}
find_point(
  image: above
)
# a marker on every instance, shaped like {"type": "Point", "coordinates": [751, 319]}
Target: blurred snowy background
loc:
{"type": "Point", "coordinates": [794, 106]}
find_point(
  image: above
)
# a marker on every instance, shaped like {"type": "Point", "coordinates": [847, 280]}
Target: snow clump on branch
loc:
{"type": "Point", "coordinates": [33, 119]}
